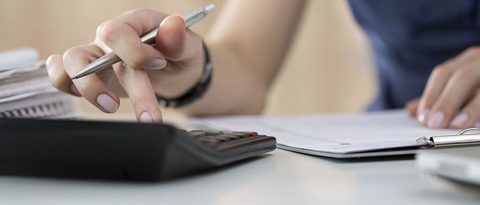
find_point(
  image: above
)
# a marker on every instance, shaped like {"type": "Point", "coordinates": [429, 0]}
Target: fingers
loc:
{"type": "Point", "coordinates": [138, 87]}
{"type": "Point", "coordinates": [173, 39]}
{"type": "Point", "coordinates": [90, 87]}
{"type": "Point", "coordinates": [59, 77]}
{"type": "Point", "coordinates": [412, 107]}
{"type": "Point", "coordinates": [135, 82]}
{"type": "Point", "coordinates": [122, 36]}
{"type": "Point", "coordinates": [455, 94]}
{"type": "Point", "coordinates": [470, 115]}
{"type": "Point", "coordinates": [437, 81]}
{"type": "Point", "coordinates": [449, 88]}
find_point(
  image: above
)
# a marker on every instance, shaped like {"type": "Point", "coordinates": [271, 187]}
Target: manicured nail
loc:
{"type": "Point", "coordinates": [436, 120]}
{"type": "Point", "coordinates": [422, 115]}
{"type": "Point", "coordinates": [107, 103]}
{"type": "Point", "coordinates": [145, 118]}
{"type": "Point", "coordinates": [74, 89]}
{"type": "Point", "coordinates": [156, 64]}
{"type": "Point", "coordinates": [460, 119]}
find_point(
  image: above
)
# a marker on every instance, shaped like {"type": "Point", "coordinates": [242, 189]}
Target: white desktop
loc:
{"type": "Point", "coordinates": [281, 177]}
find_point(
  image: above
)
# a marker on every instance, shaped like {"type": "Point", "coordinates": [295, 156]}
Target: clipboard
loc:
{"type": "Point", "coordinates": [344, 136]}
{"type": "Point", "coordinates": [462, 138]}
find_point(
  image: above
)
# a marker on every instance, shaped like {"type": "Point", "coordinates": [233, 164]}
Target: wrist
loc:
{"type": "Point", "coordinates": [180, 76]}
{"type": "Point", "coordinates": [173, 85]}
{"type": "Point", "coordinates": [199, 88]}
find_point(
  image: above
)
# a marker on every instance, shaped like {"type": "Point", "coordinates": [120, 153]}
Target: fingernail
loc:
{"type": "Point", "coordinates": [145, 118]}
{"type": "Point", "coordinates": [460, 119]}
{"type": "Point", "coordinates": [422, 115]}
{"type": "Point", "coordinates": [74, 89]}
{"type": "Point", "coordinates": [107, 103]}
{"type": "Point", "coordinates": [436, 120]}
{"type": "Point", "coordinates": [156, 64]}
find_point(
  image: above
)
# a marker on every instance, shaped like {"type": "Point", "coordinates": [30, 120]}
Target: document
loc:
{"type": "Point", "coordinates": [26, 91]}
{"type": "Point", "coordinates": [336, 135]}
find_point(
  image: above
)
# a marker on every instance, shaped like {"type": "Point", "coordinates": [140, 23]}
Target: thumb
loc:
{"type": "Point", "coordinates": [175, 41]}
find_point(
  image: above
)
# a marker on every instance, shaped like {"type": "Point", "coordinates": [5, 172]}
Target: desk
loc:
{"type": "Point", "coordinates": [278, 178]}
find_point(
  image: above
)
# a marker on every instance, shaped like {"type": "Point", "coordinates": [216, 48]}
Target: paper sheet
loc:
{"type": "Point", "coordinates": [340, 133]}
{"type": "Point", "coordinates": [26, 91]}
{"type": "Point", "coordinates": [20, 57]}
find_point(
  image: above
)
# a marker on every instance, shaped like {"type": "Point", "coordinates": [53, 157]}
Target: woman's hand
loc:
{"type": "Point", "coordinates": [452, 96]}
{"type": "Point", "coordinates": [169, 69]}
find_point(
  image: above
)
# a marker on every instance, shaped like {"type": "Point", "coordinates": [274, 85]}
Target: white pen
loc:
{"type": "Point", "coordinates": [111, 58]}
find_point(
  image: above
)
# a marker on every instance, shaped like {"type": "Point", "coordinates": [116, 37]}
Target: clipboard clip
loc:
{"type": "Point", "coordinates": [464, 137]}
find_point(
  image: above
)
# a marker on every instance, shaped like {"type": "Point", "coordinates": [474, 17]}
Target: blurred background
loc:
{"type": "Point", "coordinates": [329, 68]}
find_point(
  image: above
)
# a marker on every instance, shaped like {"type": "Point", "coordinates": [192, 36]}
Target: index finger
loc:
{"type": "Point", "coordinates": [140, 91]}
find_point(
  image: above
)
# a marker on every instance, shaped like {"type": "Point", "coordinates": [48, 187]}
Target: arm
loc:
{"type": "Point", "coordinates": [248, 44]}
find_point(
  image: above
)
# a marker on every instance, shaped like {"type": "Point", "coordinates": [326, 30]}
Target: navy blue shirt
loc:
{"type": "Point", "coordinates": [410, 37]}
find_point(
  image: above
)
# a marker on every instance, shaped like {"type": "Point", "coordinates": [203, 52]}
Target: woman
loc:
{"type": "Point", "coordinates": [427, 45]}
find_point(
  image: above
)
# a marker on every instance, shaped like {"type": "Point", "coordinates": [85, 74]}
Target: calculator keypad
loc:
{"type": "Point", "coordinates": [214, 137]}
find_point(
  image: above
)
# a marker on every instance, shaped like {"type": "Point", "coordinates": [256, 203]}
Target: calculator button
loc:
{"type": "Point", "coordinates": [213, 132]}
{"type": "Point", "coordinates": [197, 133]}
{"type": "Point", "coordinates": [227, 137]}
{"type": "Point", "coordinates": [250, 134]}
{"type": "Point", "coordinates": [208, 139]}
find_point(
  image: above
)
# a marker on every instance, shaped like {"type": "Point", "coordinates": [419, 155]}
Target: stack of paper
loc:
{"type": "Point", "coordinates": [17, 58]}
{"type": "Point", "coordinates": [25, 89]}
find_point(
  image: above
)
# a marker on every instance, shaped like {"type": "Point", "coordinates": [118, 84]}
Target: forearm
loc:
{"type": "Point", "coordinates": [234, 88]}
{"type": "Point", "coordinates": [248, 44]}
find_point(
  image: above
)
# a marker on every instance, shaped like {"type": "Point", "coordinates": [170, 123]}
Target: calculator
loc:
{"type": "Point", "coordinates": [119, 150]}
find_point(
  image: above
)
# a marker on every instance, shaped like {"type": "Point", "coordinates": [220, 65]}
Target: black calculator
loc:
{"type": "Point", "coordinates": [119, 150]}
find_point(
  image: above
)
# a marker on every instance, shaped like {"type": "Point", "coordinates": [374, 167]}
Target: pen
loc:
{"type": "Point", "coordinates": [111, 58]}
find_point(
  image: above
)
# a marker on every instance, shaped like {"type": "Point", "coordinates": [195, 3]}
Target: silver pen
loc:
{"type": "Point", "coordinates": [111, 58]}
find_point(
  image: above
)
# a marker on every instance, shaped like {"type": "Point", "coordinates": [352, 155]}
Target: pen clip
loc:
{"type": "Point", "coordinates": [461, 138]}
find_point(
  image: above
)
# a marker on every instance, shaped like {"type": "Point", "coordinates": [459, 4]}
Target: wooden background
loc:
{"type": "Point", "coordinates": [328, 70]}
